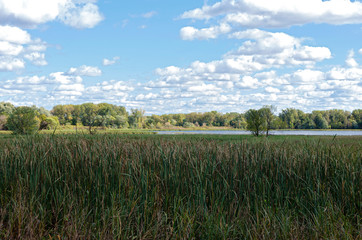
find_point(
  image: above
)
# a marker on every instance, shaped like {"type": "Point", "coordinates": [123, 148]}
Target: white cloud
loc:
{"type": "Point", "coordinates": [272, 90]}
{"type": "Point", "coordinates": [278, 49]}
{"type": "Point", "coordinates": [85, 71]}
{"type": "Point", "coordinates": [108, 62]}
{"type": "Point", "coordinates": [337, 73]}
{"type": "Point", "coordinates": [60, 77]}
{"type": "Point", "coordinates": [16, 46]}
{"type": "Point", "coordinates": [7, 48]}
{"type": "Point", "coordinates": [203, 88]}
{"type": "Point", "coordinates": [14, 35]}
{"type": "Point", "coordinates": [248, 82]}
{"type": "Point", "coordinates": [146, 97]}
{"type": "Point", "coordinates": [350, 61]}
{"type": "Point", "coordinates": [11, 64]}
{"type": "Point", "coordinates": [308, 76]}
{"type": "Point", "coordinates": [278, 14]}
{"type": "Point", "coordinates": [25, 13]}
{"type": "Point", "coordinates": [86, 16]}
{"type": "Point", "coordinates": [191, 33]}
{"type": "Point", "coordinates": [360, 51]}
{"type": "Point", "coordinates": [149, 14]}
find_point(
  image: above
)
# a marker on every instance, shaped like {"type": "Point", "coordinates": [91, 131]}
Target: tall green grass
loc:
{"type": "Point", "coordinates": [180, 187]}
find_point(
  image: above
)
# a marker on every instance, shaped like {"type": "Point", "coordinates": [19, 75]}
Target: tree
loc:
{"type": "Point", "coordinates": [23, 120]}
{"type": "Point", "coordinates": [89, 113]}
{"type": "Point", "coordinates": [255, 121]}
{"type": "Point", "coordinates": [136, 119]}
{"type": "Point", "coordinates": [357, 115]}
{"type": "Point", "coordinates": [267, 113]}
{"type": "Point", "coordinates": [3, 121]}
{"type": "Point", "coordinates": [320, 121]}
{"type": "Point", "coordinates": [6, 108]}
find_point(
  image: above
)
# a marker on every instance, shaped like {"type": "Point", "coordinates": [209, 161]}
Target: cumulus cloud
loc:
{"type": "Point", "coordinates": [277, 49]}
{"type": "Point", "coordinates": [85, 71]}
{"type": "Point", "coordinates": [11, 64]}
{"type": "Point", "coordinates": [227, 85]}
{"type": "Point", "coordinates": [262, 50]}
{"type": "Point", "coordinates": [108, 62]}
{"type": "Point", "coordinates": [244, 76]}
{"type": "Point", "coordinates": [16, 46]}
{"type": "Point", "coordinates": [24, 13]}
{"type": "Point", "coordinates": [86, 16]}
{"type": "Point", "coordinates": [350, 61]}
{"type": "Point", "coordinates": [277, 14]}
{"type": "Point", "coordinates": [14, 35]}
{"type": "Point", "coordinates": [308, 76]}
{"type": "Point", "coordinates": [191, 33]}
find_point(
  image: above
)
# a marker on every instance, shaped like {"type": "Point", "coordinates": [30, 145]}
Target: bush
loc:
{"type": "Point", "coordinates": [188, 125]}
{"type": "Point", "coordinates": [3, 121]}
{"type": "Point", "coordinates": [23, 120]}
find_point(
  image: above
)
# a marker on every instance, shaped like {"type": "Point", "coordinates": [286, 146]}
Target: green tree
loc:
{"type": "Point", "coordinates": [3, 121]}
{"type": "Point", "coordinates": [320, 121]}
{"type": "Point", "coordinates": [267, 113]}
{"type": "Point", "coordinates": [6, 108]}
{"type": "Point", "coordinates": [357, 115]}
{"type": "Point", "coordinates": [88, 116]}
{"type": "Point", "coordinates": [136, 119]}
{"type": "Point", "coordinates": [255, 121]}
{"type": "Point", "coordinates": [23, 120]}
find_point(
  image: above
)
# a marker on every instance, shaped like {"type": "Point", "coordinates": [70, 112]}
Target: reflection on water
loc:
{"type": "Point", "coordinates": [277, 132]}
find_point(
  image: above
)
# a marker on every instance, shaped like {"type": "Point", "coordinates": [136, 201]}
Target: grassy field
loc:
{"type": "Point", "coordinates": [109, 186]}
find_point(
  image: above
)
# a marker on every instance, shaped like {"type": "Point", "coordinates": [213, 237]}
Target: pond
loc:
{"type": "Point", "coordinates": [275, 132]}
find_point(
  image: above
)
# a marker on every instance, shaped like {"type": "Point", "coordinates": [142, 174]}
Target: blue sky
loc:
{"type": "Point", "coordinates": [182, 56]}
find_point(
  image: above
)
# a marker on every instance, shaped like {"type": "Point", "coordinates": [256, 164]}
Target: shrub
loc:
{"type": "Point", "coordinates": [23, 120]}
{"type": "Point", "coordinates": [3, 121]}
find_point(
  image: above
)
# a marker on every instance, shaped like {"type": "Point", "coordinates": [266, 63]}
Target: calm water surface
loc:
{"type": "Point", "coordinates": [276, 132]}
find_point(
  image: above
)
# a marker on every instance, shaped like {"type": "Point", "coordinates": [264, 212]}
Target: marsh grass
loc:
{"type": "Point", "coordinates": [180, 187]}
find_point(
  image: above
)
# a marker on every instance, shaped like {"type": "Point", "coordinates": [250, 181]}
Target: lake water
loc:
{"type": "Point", "coordinates": [276, 132]}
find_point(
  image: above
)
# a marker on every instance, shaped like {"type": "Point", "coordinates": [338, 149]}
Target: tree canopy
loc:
{"type": "Point", "coordinates": [112, 116]}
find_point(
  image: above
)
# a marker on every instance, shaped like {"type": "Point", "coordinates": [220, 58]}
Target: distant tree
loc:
{"type": "Point", "coordinates": [267, 113]}
{"type": "Point", "coordinates": [292, 117]}
{"type": "Point", "coordinates": [255, 122]}
{"type": "Point", "coordinates": [48, 122]}
{"type": "Point", "coordinates": [188, 125]}
{"type": "Point", "coordinates": [6, 108]}
{"type": "Point", "coordinates": [63, 113]}
{"type": "Point", "coordinates": [136, 119]}
{"type": "Point", "coordinates": [3, 121]}
{"type": "Point", "coordinates": [88, 116]}
{"type": "Point", "coordinates": [320, 122]}
{"type": "Point", "coordinates": [23, 120]}
{"type": "Point", "coordinates": [357, 115]}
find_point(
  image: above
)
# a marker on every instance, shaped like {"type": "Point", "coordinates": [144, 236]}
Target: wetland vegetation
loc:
{"type": "Point", "coordinates": [111, 186]}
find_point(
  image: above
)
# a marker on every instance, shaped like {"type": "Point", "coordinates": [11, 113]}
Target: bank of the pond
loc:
{"type": "Point", "coordinates": [275, 132]}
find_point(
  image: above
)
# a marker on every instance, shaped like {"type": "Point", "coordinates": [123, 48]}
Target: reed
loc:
{"type": "Point", "coordinates": [179, 187]}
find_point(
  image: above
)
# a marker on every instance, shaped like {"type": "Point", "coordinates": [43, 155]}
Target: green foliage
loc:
{"type": "Point", "coordinates": [3, 121]}
{"type": "Point", "coordinates": [112, 116]}
{"type": "Point", "coordinates": [357, 115]}
{"type": "Point", "coordinates": [6, 108]}
{"type": "Point", "coordinates": [188, 125]}
{"type": "Point", "coordinates": [256, 121]}
{"type": "Point", "coordinates": [23, 120]}
{"type": "Point", "coordinates": [320, 121]}
{"type": "Point", "coordinates": [137, 118]}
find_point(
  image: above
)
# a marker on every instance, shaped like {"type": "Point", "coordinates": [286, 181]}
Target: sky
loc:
{"type": "Point", "coordinates": [182, 56]}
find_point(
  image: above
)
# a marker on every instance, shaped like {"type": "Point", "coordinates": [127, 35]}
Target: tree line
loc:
{"type": "Point", "coordinates": [107, 115]}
